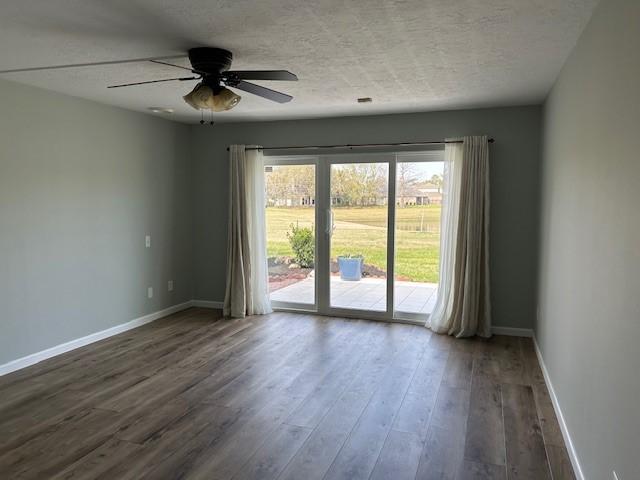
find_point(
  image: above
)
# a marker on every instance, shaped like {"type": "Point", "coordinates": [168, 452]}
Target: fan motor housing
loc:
{"type": "Point", "coordinates": [210, 60]}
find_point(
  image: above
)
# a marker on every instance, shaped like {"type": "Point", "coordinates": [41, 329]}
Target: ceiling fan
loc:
{"type": "Point", "coordinates": [211, 67]}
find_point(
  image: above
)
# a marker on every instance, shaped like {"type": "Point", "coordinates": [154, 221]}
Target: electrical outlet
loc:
{"type": "Point", "coordinates": [147, 241]}
{"type": "Point", "coordinates": [150, 292]}
{"type": "Point", "coordinates": [170, 285]}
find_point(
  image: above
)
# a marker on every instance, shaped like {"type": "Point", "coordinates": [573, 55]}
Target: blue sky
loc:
{"type": "Point", "coordinates": [425, 170]}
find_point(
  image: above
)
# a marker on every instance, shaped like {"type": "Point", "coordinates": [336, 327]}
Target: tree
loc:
{"type": "Point", "coordinates": [359, 184]}
{"type": "Point", "coordinates": [291, 182]}
{"type": "Point", "coordinates": [407, 179]}
{"type": "Point", "coordinates": [437, 181]}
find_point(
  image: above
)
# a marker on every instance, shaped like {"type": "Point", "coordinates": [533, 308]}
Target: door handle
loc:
{"type": "Point", "coordinates": [329, 225]}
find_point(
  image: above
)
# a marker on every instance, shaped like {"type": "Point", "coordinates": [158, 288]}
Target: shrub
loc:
{"type": "Point", "coordinates": [302, 243]}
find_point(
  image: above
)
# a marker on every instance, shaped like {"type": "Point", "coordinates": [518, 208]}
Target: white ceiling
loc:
{"type": "Point", "coordinates": [409, 55]}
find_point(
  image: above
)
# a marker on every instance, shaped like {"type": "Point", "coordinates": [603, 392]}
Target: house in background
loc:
{"type": "Point", "coordinates": [424, 194]}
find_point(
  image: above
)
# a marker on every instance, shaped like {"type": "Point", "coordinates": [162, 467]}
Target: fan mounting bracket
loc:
{"type": "Point", "coordinates": [212, 61]}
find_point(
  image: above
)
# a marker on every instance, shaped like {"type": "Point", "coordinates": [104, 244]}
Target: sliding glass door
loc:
{"type": "Point", "coordinates": [290, 215]}
{"type": "Point", "coordinates": [418, 205]}
{"type": "Point", "coordinates": [355, 234]}
{"type": "Point", "coordinates": [358, 234]}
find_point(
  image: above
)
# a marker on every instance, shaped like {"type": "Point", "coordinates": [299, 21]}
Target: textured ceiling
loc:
{"type": "Point", "coordinates": [409, 55]}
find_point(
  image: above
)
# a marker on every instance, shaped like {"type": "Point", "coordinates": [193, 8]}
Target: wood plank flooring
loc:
{"type": "Point", "coordinates": [283, 396]}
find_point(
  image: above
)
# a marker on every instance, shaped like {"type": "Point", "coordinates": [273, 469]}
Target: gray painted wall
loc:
{"type": "Point", "coordinates": [589, 323]}
{"type": "Point", "coordinates": [80, 186]}
{"type": "Point", "coordinates": [514, 188]}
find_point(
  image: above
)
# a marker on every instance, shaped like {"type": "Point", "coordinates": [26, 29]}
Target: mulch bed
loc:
{"type": "Point", "coordinates": [281, 276]}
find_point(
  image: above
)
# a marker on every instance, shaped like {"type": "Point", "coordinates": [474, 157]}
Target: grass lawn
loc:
{"type": "Point", "coordinates": [363, 231]}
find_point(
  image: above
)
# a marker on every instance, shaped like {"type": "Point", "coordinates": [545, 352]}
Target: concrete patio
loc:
{"type": "Point", "coordinates": [366, 294]}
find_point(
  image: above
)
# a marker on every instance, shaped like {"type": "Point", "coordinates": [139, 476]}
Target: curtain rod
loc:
{"type": "Point", "coordinates": [318, 147]}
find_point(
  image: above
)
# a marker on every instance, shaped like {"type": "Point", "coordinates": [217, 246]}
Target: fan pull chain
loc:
{"type": "Point", "coordinates": [202, 120]}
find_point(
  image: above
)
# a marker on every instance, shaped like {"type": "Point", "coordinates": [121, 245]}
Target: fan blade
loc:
{"type": "Point", "coordinates": [178, 66]}
{"type": "Point", "coordinates": [263, 92]}
{"type": "Point", "coordinates": [94, 64]}
{"type": "Point", "coordinates": [154, 81]}
{"type": "Point", "coordinates": [261, 75]}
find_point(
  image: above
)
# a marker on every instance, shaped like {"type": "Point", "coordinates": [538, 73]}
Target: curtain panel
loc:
{"type": "Point", "coordinates": [463, 306]}
{"type": "Point", "coordinates": [247, 285]}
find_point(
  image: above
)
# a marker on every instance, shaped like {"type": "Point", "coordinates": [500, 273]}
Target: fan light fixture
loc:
{"type": "Point", "coordinates": [203, 97]}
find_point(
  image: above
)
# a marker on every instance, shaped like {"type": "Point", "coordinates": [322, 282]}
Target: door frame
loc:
{"type": "Point", "coordinates": [283, 160]}
{"type": "Point", "coordinates": [324, 246]}
{"type": "Point", "coordinates": [323, 163]}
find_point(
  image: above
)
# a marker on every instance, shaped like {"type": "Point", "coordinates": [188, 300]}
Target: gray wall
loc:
{"type": "Point", "coordinates": [589, 322]}
{"type": "Point", "coordinates": [80, 186]}
{"type": "Point", "coordinates": [514, 188]}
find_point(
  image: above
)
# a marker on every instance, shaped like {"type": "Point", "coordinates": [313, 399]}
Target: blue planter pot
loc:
{"type": "Point", "coordinates": [350, 268]}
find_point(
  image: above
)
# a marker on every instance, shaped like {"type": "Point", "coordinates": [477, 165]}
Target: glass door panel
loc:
{"type": "Point", "coordinates": [358, 235]}
{"type": "Point", "coordinates": [291, 238]}
{"type": "Point", "coordinates": [417, 236]}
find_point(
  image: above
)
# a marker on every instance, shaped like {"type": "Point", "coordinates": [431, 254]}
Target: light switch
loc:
{"type": "Point", "coordinates": [170, 285]}
{"type": "Point", "coordinates": [147, 241]}
{"type": "Point", "coordinates": [150, 292]}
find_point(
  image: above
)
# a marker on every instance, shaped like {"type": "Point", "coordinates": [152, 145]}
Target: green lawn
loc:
{"type": "Point", "coordinates": [363, 231]}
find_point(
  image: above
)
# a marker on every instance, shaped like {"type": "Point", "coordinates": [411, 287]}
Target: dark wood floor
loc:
{"type": "Point", "coordinates": [285, 396]}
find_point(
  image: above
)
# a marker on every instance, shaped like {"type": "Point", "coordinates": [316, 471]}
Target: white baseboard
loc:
{"type": "Point", "coordinates": [512, 332]}
{"type": "Point", "coordinates": [23, 362]}
{"type": "Point", "coordinates": [573, 455]}
{"type": "Point", "coordinates": [208, 304]}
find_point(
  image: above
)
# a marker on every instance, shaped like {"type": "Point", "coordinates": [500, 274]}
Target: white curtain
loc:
{"type": "Point", "coordinates": [463, 306]}
{"type": "Point", "coordinates": [438, 320]}
{"type": "Point", "coordinates": [247, 290]}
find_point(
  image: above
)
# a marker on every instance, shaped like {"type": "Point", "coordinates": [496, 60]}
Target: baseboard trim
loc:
{"type": "Point", "coordinates": [208, 304]}
{"type": "Point", "coordinates": [512, 332]}
{"type": "Point", "coordinates": [34, 358]}
{"type": "Point", "coordinates": [573, 455]}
